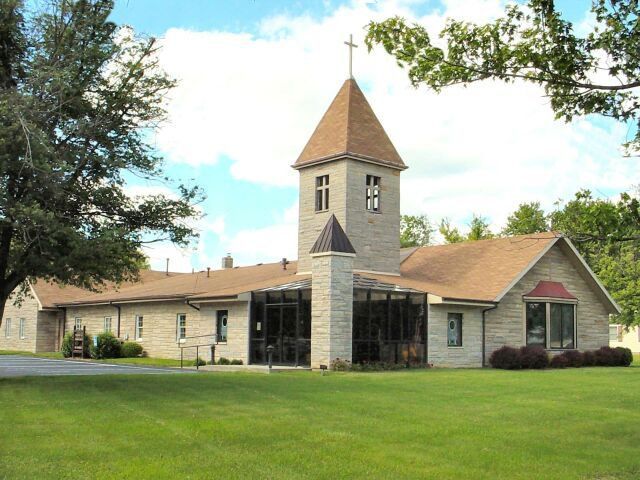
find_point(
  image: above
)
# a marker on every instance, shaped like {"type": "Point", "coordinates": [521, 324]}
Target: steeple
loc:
{"type": "Point", "coordinates": [349, 128]}
{"type": "Point", "coordinates": [332, 239]}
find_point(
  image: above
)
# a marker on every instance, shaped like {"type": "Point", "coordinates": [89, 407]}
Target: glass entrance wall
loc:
{"type": "Point", "coordinates": [389, 327]}
{"type": "Point", "coordinates": [282, 319]}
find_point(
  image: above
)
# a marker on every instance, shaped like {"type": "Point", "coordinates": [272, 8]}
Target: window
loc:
{"type": "Point", "coordinates": [221, 325]}
{"type": "Point", "coordinates": [181, 325]}
{"type": "Point", "coordinates": [21, 328]}
{"type": "Point", "coordinates": [613, 333]}
{"type": "Point", "coordinates": [552, 325]}
{"type": "Point", "coordinates": [107, 324]}
{"type": "Point", "coordinates": [561, 325]}
{"type": "Point", "coordinates": [7, 327]}
{"type": "Point", "coordinates": [537, 324]}
{"type": "Point", "coordinates": [139, 327]}
{"type": "Point", "coordinates": [454, 330]}
{"type": "Point", "coordinates": [322, 193]}
{"type": "Point", "coordinates": [373, 193]}
{"type": "Point", "coordinates": [77, 323]}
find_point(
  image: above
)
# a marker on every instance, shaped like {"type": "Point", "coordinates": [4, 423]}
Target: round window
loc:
{"type": "Point", "coordinates": [452, 325]}
{"type": "Point", "coordinates": [224, 321]}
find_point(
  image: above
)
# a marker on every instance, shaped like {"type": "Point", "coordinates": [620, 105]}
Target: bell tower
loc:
{"type": "Point", "coordinates": [349, 168]}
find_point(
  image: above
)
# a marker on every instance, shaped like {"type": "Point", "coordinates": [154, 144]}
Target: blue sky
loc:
{"type": "Point", "coordinates": [255, 77]}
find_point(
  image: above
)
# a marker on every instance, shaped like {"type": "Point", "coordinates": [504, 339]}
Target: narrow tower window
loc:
{"type": "Point", "coordinates": [322, 193]}
{"type": "Point", "coordinates": [373, 193]}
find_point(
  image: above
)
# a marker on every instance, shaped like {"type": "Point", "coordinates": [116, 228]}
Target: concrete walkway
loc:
{"type": "Point", "coordinates": [21, 366]}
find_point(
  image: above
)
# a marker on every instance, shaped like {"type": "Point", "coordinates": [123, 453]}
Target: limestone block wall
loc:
{"type": "Point", "coordinates": [331, 309]}
{"type": "Point", "coordinates": [375, 236]}
{"type": "Point", "coordinates": [28, 310]}
{"type": "Point", "coordinates": [237, 345]}
{"type": "Point", "coordinates": [506, 324]}
{"type": "Point", "coordinates": [470, 353]}
{"type": "Point", "coordinates": [160, 326]}
{"type": "Point", "coordinates": [310, 222]}
{"type": "Point", "coordinates": [48, 333]}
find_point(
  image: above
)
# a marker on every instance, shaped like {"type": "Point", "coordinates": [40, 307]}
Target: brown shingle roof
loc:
{"type": "Point", "coordinates": [219, 284]}
{"type": "Point", "coordinates": [349, 127]}
{"type": "Point", "coordinates": [50, 294]}
{"type": "Point", "coordinates": [479, 270]}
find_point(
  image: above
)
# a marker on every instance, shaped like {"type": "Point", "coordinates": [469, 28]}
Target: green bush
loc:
{"type": "Point", "coordinates": [131, 349]}
{"type": "Point", "coordinates": [107, 346]}
{"type": "Point", "coordinates": [340, 365]}
{"type": "Point", "coordinates": [223, 361]}
{"type": "Point", "coordinates": [199, 362]}
{"type": "Point", "coordinates": [67, 345]}
{"type": "Point", "coordinates": [236, 361]}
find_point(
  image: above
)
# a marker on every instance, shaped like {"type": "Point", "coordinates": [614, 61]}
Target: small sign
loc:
{"type": "Point", "coordinates": [95, 340]}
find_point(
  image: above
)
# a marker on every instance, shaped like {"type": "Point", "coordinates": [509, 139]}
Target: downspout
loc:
{"type": "Point", "coordinates": [119, 310]}
{"type": "Point", "coordinates": [192, 306]}
{"type": "Point", "coordinates": [64, 327]}
{"type": "Point", "coordinates": [426, 329]}
{"type": "Point", "coordinates": [484, 346]}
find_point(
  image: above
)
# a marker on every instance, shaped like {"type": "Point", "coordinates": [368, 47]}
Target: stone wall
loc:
{"type": "Point", "coordinates": [331, 309]}
{"type": "Point", "coordinates": [159, 336]}
{"type": "Point", "coordinates": [506, 324]}
{"type": "Point", "coordinates": [470, 353]}
{"type": "Point", "coordinates": [375, 236]}
{"type": "Point", "coordinates": [28, 310]}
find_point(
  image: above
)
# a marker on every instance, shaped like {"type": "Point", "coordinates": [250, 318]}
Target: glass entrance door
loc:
{"type": "Point", "coordinates": [281, 333]}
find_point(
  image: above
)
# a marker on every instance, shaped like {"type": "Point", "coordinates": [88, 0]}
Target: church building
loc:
{"type": "Point", "coordinates": [353, 293]}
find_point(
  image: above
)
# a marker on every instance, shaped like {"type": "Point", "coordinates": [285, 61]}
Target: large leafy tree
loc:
{"type": "Point", "coordinates": [78, 98]}
{"type": "Point", "coordinates": [607, 234]}
{"type": "Point", "coordinates": [479, 229]}
{"type": "Point", "coordinates": [528, 218]}
{"type": "Point", "coordinates": [415, 231]}
{"type": "Point", "coordinates": [594, 74]}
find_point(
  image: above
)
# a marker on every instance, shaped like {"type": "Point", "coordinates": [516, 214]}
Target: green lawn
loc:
{"type": "Point", "coordinates": [440, 424]}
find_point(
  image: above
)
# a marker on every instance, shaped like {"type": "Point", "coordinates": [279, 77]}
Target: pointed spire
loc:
{"type": "Point", "coordinates": [350, 128]}
{"type": "Point", "coordinates": [332, 239]}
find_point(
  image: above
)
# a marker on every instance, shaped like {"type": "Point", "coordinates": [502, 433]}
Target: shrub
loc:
{"type": "Point", "coordinates": [574, 358]}
{"type": "Point", "coordinates": [107, 346]}
{"type": "Point", "coordinates": [606, 357]}
{"type": "Point", "coordinates": [340, 365]}
{"type": "Point", "coordinates": [199, 362]}
{"type": "Point", "coordinates": [506, 357]}
{"type": "Point", "coordinates": [533, 356]}
{"type": "Point", "coordinates": [588, 358]}
{"type": "Point", "coordinates": [236, 361]}
{"type": "Point", "coordinates": [67, 345]}
{"type": "Point", "coordinates": [131, 349]}
{"type": "Point", "coordinates": [223, 361]}
{"type": "Point", "coordinates": [624, 357]}
{"type": "Point", "coordinates": [559, 361]}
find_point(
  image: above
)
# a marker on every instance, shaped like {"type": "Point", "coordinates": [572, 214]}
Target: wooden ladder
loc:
{"type": "Point", "coordinates": [78, 342]}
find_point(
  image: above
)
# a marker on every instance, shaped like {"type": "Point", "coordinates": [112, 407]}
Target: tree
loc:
{"type": "Point", "coordinates": [78, 98]}
{"type": "Point", "coordinates": [528, 218]}
{"type": "Point", "coordinates": [415, 231]}
{"type": "Point", "coordinates": [532, 43]}
{"type": "Point", "coordinates": [607, 234]}
{"type": "Point", "coordinates": [479, 228]}
{"type": "Point", "coordinates": [449, 233]}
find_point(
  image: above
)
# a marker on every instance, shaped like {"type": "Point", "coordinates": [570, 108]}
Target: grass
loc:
{"type": "Point", "coordinates": [31, 354]}
{"type": "Point", "coordinates": [147, 361]}
{"type": "Point", "coordinates": [440, 424]}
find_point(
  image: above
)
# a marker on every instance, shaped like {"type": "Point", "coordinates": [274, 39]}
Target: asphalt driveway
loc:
{"type": "Point", "coordinates": [20, 366]}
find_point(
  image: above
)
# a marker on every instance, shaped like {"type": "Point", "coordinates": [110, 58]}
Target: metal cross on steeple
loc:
{"type": "Point", "coordinates": [351, 47]}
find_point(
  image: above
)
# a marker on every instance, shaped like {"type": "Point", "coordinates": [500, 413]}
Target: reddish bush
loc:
{"type": "Point", "coordinates": [624, 357]}
{"type": "Point", "coordinates": [606, 357]}
{"type": "Point", "coordinates": [559, 361]}
{"type": "Point", "coordinates": [574, 358]}
{"type": "Point", "coordinates": [533, 356]}
{"type": "Point", "coordinates": [588, 358]}
{"type": "Point", "coordinates": [507, 358]}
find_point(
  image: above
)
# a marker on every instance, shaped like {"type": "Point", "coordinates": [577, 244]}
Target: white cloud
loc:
{"type": "Point", "coordinates": [484, 149]}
